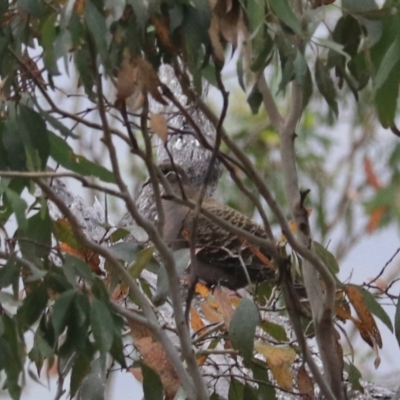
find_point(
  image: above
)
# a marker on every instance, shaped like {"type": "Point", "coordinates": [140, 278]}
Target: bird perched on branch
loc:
{"type": "Point", "coordinates": [222, 257]}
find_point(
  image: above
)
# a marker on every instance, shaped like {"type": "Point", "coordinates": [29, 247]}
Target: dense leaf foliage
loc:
{"type": "Point", "coordinates": [78, 76]}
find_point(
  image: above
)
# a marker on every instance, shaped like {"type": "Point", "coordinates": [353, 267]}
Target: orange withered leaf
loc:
{"type": "Point", "coordinates": [305, 384]}
{"type": "Point", "coordinates": [375, 218]}
{"type": "Point", "coordinates": [368, 325]}
{"type": "Point", "coordinates": [370, 174]}
{"type": "Point", "coordinates": [222, 298]}
{"type": "Point", "coordinates": [195, 320]}
{"type": "Point", "coordinates": [154, 356]}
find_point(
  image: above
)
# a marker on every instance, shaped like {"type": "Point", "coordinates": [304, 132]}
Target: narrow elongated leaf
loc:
{"type": "Point", "coordinates": [63, 154]}
{"type": "Point", "coordinates": [236, 390]}
{"type": "Point", "coordinates": [48, 36]}
{"type": "Point", "coordinates": [182, 258]}
{"type": "Point", "coordinates": [74, 267]}
{"type": "Point", "coordinates": [285, 12]}
{"type": "Point", "coordinates": [254, 100]}
{"type": "Point", "coordinates": [390, 60]}
{"type": "Point", "coordinates": [243, 327]}
{"type": "Point", "coordinates": [143, 259]}
{"type": "Point", "coordinates": [13, 146]}
{"type": "Point", "coordinates": [79, 371]}
{"type": "Point", "coordinates": [376, 308]}
{"type": "Point", "coordinates": [60, 312]}
{"type": "Point", "coordinates": [102, 325]}
{"type": "Point", "coordinates": [35, 240]}
{"type": "Point", "coordinates": [327, 257]}
{"type": "Point", "coordinates": [386, 97]}
{"type": "Point", "coordinates": [325, 85]}
{"type": "Point", "coordinates": [274, 330]}
{"type": "Point", "coordinates": [33, 306]}
{"type": "Point", "coordinates": [152, 386]}
{"type": "Point", "coordinates": [97, 26]}
{"type": "Point", "coordinates": [397, 322]}
{"type": "Point", "coordinates": [32, 123]}
{"type": "Point", "coordinates": [19, 207]}
{"type": "Point", "coordinates": [125, 251]}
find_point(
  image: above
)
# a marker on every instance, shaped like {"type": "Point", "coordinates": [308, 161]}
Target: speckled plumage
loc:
{"type": "Point", "coordinates": [220, 254]}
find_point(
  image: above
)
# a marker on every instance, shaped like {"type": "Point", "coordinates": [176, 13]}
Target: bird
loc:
{"type": "Point", "coordinates": [221, 257]}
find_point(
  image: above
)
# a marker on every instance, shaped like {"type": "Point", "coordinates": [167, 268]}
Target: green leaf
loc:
{"type": "Point", "coordinates": [48, 36]}
{"type": "Point", "coordinates": [327, 257]}
{"type": "Point", "coordinates": [142, 260]}
{"type": "Point", "coordinates": [274, 330]}
{"type": "Point", "coordinates": [32, 123]}
{"type": "Point", "coordinates": [102, 326]}
{"type": "Point", "coordinates": [266, 391]}
{"type": "Point", "coordinates": [195, 27]}
{"type": "Point", "coordinates": [80, 370]}
{"type": "Point", "coordinates": [9, 274]}
{"type": "Point", "coordinates": [182, 258]}
{"type": "Point", "coordinates": [255, 100]}
{"type": "Point", "coordinates": [300, 67]}
{"type": "Point", "coordinates": [141, 11]}
{"type": "Point", "coordinates": [35, 240]}
{"type": "Point", "coordinates": [16, 350]}
{"type": "Point", "coordinates": [40, 351]}
{"type": "Point", "coordinates": [287, 74]}
{"type": "Point", "coordinates": [256, 15]}
{"type": "Point", "coordinates": [96, 24]}
{"type": "Point", "coordinates": [389, 62]}
{"type": "Point", "coordinates": [307, 88]}
{"type": "Point", "coordinates": [33, 306]}
{"type": "Point", "coordinates": [19, 207]}
{"type": "Point", "coordinates": [375, 307]}
{"type": "Point", "coordinates": [85, 67]}
{"type": "Point", "coordinates": [325, 85]}
{"type": "Point", "coordinates": [236, 390]}
{"type": "Point", "coordinates": [386, 98]}
{"type": "Point", "coordinates": [152, 386]}
{"type": "Point", "coordinates": [63, 154]}
{"type": "Point", "coordinates": [397, 322]}
{"type": "Point", "coordinates": [250, 393]}
{"type": "Point", "coordinates": [60, 313]}
{"type": "Point", "coordinates": [243, 327]}
{"type": "Point", "coordinates": [74, 267]}
{"type": "Point", "coordinates": [56, 124]}
{"type": "Point", "coordinates": [13, 146]}
{"type": "Point", "coordinates": [284, 12]}
{"type": "Point", "coordinates": [125, 251]}
{"type": "Point", "coordinates": [33, 7]}
{"type": "Point", "coordinates": [354, 377]}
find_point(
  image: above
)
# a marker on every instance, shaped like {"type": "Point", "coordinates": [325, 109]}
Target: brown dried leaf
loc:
{"type": "Point", "coordinates": [195, 320]}
{"type": "Point", "coordinates": [154, 356]}
{"type": "Point", "coordinates": [367, 320]}
{"type": "Point", "coordinates": [202, 290]}
{"type": "Point", "coordinates": [161, 25]}
{"type": "Point", "coordinates": [210, 314]}
{"type": "Point", "coordinates": [159, 125]}
{"type": "Point", "coordinates": [227, 22]}
{"type": "Point", "coordinates": [279, 360]}
{"type": "Point", "coordinates": [305, 384]}
{"type": "Point", "coordinates": [119, 292]}
{"type": "Point", "coordinates": [375, 218]}
{"type": "Point", "coordinates": [222, 298]}
{"type": "Point", "coordinates": [2, 83]}
{"type": "Point", "coordinates": [137, 373]}
{"type": "Point", "coordinates": [127, 79]}
{"type": "Point", "coordinates": [372, 178]}
{"type": "Point", "coordinates": [136, 78]}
